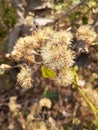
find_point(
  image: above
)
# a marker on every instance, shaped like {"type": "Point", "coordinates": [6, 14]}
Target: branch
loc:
{"type": "Point", "coordinates": [69, 10]}
{"type": "Point", "coordinates": [96, 20]}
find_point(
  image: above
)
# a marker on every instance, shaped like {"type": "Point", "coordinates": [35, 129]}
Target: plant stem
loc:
{"type": "Point", "coordinates": [67, 12]}
{"type": "Point", "coordinates": [91, 105]}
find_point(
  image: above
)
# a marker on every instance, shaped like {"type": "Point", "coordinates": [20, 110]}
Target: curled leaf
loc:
{"type": "Point", "coordinates": [47, 73]}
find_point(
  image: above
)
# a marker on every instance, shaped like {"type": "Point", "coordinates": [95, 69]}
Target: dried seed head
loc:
{"type": "Point", "coordinates": [25, 45]}
{"type": "Point", "coordinates": [62, 37]}
{"type": "Point", "coordinates": [24, 77]}
{"type": "Point", "coordinates": [13, 105]}
{"type": "Point", "coordinates": [42, 35]}
{"type": "Point", "coordinates": [45, 102]}
{"type": "Point", "coordinates": [86, 33]}
{"type": "Point", "coordinates": [3, 68]}
{"type": "Point", "coordinates": [37, 125]}
{"type": "Point", "coordinates": [56, 55]}
{"type": "Point", "coordinates": [65, 77]}
{"type": "Point", "coordinates": [16, 55]}
{"type": "Point", "coordinates": [23, 48]}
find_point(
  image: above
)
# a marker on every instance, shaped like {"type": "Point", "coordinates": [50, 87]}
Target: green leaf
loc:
{"type": "Point", "coordinates": [91, 3]}
{"type": "Point", "coordinates": [75, 1]}
{"type": "Point", "coordinates": [47, 73]}
{"type": "Point", "coordinates": [50, 95]}
{"type": "Point", "coordinates": [60, 6]}
{"type": "Point", "coordinates": [84, 20]}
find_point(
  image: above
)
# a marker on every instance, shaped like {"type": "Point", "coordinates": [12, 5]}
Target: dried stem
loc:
{"type": "Point", "coordinates": [69, 10]}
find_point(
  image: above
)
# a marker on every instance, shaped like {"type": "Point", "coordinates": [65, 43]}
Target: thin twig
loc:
{"type": "Point", "coordinates": [96, 20]}
{"type": "Point", "coordinates": [69, 10]}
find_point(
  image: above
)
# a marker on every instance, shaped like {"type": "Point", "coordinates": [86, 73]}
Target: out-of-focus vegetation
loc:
{"type": "Point", "coordinates": [47, 106]}
{"type": "Point", "coordinates": [7, 17]}
{"type": "Point", "coordinates": [81, 15]}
